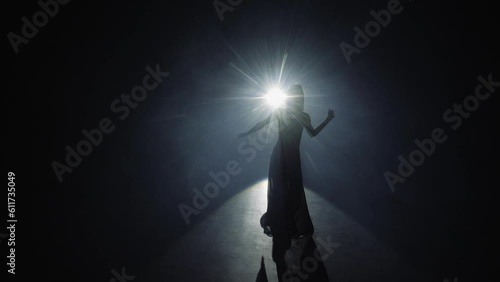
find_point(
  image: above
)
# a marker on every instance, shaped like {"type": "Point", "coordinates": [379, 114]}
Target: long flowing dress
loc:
{"type": "Point", "coordinates": [287, 212]}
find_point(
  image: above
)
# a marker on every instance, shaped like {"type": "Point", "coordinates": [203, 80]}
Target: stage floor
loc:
{"type": "Point", "coordinates": [229, 244]}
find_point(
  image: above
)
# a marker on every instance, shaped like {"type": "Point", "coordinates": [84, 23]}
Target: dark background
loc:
{"type": "Point", "coordinates": [120, 204]}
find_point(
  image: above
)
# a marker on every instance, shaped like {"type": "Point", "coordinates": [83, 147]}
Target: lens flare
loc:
{"type": "Point", "coordinates": [276, 98]}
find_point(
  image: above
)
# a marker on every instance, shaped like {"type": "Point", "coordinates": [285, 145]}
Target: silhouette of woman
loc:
{"type": "Point", "coordinates": [287, 218]}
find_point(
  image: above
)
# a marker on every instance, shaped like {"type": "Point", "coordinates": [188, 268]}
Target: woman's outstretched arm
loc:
{"type": "Point", "coordinates": [257, 127]}
{"type": "Point", "coordinates": [315, 131]}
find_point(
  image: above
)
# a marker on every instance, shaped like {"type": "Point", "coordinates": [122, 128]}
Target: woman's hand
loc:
{"type": "Point", "coordinates": [330, 114]}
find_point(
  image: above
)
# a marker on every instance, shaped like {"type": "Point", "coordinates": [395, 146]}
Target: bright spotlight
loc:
{"type": "Point", "coordinates": [276, 98]}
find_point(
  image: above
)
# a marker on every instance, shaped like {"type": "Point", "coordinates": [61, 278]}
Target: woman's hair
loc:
{"type": "Point", "coordinates": [296, 97]}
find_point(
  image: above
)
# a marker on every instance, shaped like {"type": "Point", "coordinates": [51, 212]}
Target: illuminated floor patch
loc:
{"type": "Point", "coordinates": [229, 244]}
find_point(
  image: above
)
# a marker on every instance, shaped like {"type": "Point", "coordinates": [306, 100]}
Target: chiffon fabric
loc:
{"type": "Point", "coordinates": [287, 212]}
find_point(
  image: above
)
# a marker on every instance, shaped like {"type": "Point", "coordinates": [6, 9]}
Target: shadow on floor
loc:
{"type": "Point", "coordinates": [312, 268]}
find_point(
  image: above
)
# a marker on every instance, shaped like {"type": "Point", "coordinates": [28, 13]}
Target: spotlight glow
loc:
{"type": "Point", "coordinates": [276, 98]}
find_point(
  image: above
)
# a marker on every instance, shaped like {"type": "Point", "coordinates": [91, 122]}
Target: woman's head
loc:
{"type": "Point", "coordinates": [295, 99]}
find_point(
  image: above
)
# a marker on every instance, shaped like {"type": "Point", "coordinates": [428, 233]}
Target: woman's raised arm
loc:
{"type": "Point", "coordinates": [257, 127]}
{"type": "Point", "coordinates": [315, 131]}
